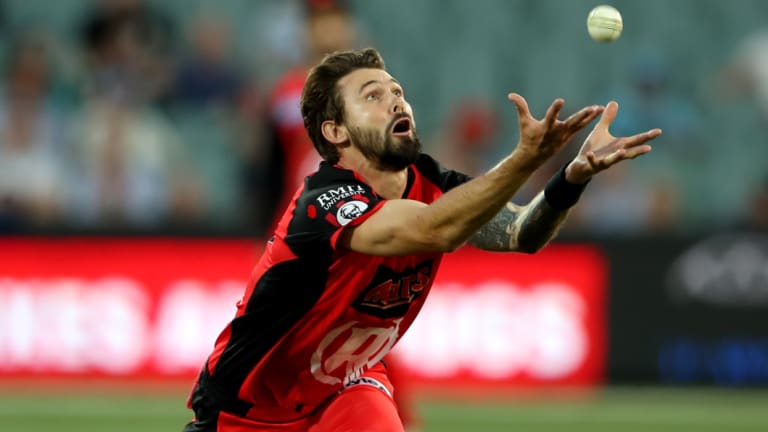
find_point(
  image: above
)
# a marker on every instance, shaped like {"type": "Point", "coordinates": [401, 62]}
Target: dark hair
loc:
{"type": "Point", "coordinates": [321, 100]}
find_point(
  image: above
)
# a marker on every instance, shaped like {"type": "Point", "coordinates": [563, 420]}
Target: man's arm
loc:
{"type": "Point", "coordinates": [521, 228]}
{"type": "Point", "coordinates": [529, 228]}
{"type": "Point", "coordinates": [404, 227]}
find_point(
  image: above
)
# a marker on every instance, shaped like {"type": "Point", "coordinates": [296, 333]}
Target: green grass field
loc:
{"type": "Point", "coordinates": [614, 410]}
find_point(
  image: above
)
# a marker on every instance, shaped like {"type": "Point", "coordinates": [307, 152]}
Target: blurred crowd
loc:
{"type": "Point", "coordinates": [147, 121]}
{"type": "Point", "coordinates": [156, 126]}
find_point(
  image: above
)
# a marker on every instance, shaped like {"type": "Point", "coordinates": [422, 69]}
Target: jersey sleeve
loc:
{"type": "Point", "coordinates": [445, 179]}
{"type": "Point", "coordinates": [321, 214]}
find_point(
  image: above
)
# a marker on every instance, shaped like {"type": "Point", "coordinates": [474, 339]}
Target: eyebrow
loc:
{"type": "Point", "coordinates": [367, 83]}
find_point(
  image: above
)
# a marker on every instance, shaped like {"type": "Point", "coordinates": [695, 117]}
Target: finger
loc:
{"type": "Point", "coordinates": [593, 162]}
{"type": "Point", "coordinates": [574, 119]}
{"type": "Point", "coordinates": [593, 115]}
{"type": "Point", "coordinates": [612, 158]}
{"type": "Point", "coordinates": [623, 154]}
{"type": "Point", "coordinates": [653, 133]}
{"type": "Point", "coordinates": [609, 114]}
{"type": "Point", "coordinates": [637, 151]}
{"type": "Point", "coordinates": [520, 104]}
{"type": "Point", "coordinates": [553, 111]}
{"type": "Point", "coordinates": [583, 117]}
{"type": "Point", "coordinates": [639, 139]}
{"type": "Point", "coordinates": [599, 164]}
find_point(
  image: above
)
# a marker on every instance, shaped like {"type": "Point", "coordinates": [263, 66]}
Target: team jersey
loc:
{"type": "Point", "coordinates": [315, 317]}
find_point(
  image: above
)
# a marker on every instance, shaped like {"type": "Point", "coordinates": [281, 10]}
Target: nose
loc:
{"type": "Point", "coordinates": [397, 107]}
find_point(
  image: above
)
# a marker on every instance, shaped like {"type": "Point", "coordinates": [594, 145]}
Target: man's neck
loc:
{"type": "Point", "coordinates": [387, 184]}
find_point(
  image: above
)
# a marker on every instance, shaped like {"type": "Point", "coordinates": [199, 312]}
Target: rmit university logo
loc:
{"type": "Point", "coordinates": [390, 293]}
{"type": "Point", "coordinates": [333, 196]}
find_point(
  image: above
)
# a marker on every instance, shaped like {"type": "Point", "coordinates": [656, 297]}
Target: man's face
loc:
{"type": "Point", "coordinates": [379, 119]}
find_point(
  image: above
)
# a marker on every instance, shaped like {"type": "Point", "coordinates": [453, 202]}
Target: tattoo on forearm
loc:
{"type": "Point", "coordinates": [500, 233]}
{"type": "Point", "coordinates": [525, 229]}
{"type": "Point", "coordinates": [539, 224]}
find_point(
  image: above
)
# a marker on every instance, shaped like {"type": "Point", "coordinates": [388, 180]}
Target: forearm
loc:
{"type": "Point", "coordinates": [529, 228]}
{"type": "Point", "coordinates": [460, 212]}
{"type": "Point", "coordinates": [523, 229]}
{"type": "Point", "coordinates": [539, 224]}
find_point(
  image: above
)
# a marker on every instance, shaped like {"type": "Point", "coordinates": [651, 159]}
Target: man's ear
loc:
{"type": "Point", "coordinates": [334, 132]}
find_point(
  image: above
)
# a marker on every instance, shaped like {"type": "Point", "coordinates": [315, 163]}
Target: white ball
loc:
{"type": "Point", "coordinates": [604, 23]}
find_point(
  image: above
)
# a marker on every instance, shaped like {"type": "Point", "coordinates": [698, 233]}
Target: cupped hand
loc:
{"type": "Point", "coordinates": [540, 139]}
{"type": "Point", "coordinates": [602, 150]}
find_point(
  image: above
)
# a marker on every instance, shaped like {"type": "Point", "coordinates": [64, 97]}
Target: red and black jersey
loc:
{"type": "Point", "coordinates": [315, 316]}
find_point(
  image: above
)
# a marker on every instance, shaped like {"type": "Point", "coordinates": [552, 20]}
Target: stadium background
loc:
{"type": "Point", "coordinates": [648, 313]}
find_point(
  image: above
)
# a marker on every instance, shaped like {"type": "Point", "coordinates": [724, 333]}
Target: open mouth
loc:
{"type": "Point", "coordinates": [402, 127]}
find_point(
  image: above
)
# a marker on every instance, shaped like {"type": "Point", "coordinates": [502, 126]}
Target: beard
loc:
{"type": "Point", "coordinates": [387, 152]}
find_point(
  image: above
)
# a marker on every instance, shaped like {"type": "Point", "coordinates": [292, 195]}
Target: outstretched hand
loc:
{"type": "Point", "coordinates": [540, 139]}
{"type": "Point", "coordinates": [602, 150]}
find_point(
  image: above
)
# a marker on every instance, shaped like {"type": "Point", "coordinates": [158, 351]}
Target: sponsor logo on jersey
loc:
{"type": "Point", "coordinates": [349, 211]}
{"type": "Point", "coordinates": [348, 350]}
{"type": "Point", "coordinates": [390, 293]}
{"type": "Point", "coordinates": [330, 197]}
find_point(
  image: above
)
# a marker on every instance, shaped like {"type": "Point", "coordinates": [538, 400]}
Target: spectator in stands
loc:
{"type": "Point", "coordinates": [214, 110]}
{"type": "Point", "coordinates": [329, 27]}
{"type": "Point", "coordinates": [32, 157]}
{"type": "Point", "coordinates": [132, 169]}
{"type": "Point", "coordinates": [207, 75]}
{"type": "Point", "coordinates": [127, 44]}
{"type": "Point", "coordinates": [746, 72]}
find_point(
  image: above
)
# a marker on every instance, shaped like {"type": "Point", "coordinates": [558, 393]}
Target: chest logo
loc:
{"type": "Point", "coordinates": [390, 293]}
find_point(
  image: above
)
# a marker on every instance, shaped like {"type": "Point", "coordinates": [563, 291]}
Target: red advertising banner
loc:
{"type": "Point", "coordinates": [495, 318]}
{"type": "Point", "coordinates": [151, 308]}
